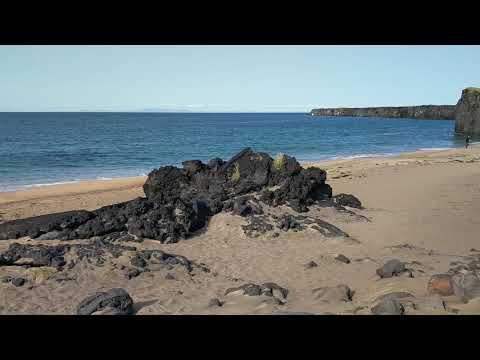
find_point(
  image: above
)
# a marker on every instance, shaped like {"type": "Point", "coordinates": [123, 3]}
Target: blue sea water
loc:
{"type": "Point", "coordinates": [45, 148]}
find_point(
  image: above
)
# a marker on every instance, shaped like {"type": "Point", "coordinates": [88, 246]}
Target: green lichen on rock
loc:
{"type": "Point", "coordinates": [473, 89]}
{"type": "Point", "coordinates": [279, 162]}
{"type": "Point", "coordinates": [236, 173]}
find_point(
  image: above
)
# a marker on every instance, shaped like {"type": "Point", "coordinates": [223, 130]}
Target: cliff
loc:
{"type": "Point", "coordinates": [467, 113]}
{"type": "Point", "coordinates": [434, 112]}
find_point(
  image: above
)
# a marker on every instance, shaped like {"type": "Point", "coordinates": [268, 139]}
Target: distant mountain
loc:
{"type": "Point", "coordinates": [162, 110]}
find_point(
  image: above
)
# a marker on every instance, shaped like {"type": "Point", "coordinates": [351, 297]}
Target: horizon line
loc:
{"type": "Point", "coordinates": [155, 112]}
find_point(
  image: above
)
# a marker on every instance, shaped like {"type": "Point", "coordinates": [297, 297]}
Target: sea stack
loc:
{"type": "Point", "coordinates": [467, 113]}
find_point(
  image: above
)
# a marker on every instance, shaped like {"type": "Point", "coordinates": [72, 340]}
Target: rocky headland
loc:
{"type": "Point", "coordinates": [467, 113]}
{"type": "Point", "coordinates": [426, 112]}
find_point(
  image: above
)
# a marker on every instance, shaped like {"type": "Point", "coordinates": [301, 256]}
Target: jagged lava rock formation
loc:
{"type": "Point", "coordinates": [431, 112]}
{"type": "Point", "coordinates": [180, 201]}
{"type": "Point", "coordinates": [467, 113]}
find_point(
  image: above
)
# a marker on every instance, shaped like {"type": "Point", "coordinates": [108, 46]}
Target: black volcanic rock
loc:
{"type": "Point", "coordinates": [40, 255]}
{"type": "Point", "coordinates": [116, 300]}
{"type": "Point", "coordinates": [268, 289]}
{"type": "Point", "coordinates": [38, 225]}
{"type": "Point", "coordinates": [180, 201]}
{"type": "Point", "coordinates": [43, 255]}
{"type": "Point", "coordinates": [347, 200]}
{"type": "Point", "coordinates": [18, 281]}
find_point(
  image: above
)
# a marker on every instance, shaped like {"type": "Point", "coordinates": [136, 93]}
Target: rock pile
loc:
{"type": "Point", "coordinates": [180, 201]}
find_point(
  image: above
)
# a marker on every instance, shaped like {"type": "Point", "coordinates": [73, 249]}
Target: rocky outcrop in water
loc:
{"type": "Point", "coordinates": [179, 201]}
{"type": "Point", "coordinates": [430, 112]}
{"type": "Point", "coordinates": [467, 113]}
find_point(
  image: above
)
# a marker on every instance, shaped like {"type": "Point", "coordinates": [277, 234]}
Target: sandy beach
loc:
{"type": "Point", "coordinates": [420, 207]}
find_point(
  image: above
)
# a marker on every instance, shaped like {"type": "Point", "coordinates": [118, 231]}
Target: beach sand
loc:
{"type": "Point", "coordinates": [421, 208]}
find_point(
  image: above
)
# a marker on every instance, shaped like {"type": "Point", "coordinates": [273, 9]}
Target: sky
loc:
{"type": "Point", "coordinates": [232, 78]}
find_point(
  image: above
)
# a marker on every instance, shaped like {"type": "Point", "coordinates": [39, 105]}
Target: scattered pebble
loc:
{"type": "Point", "coordinates": [215, 302]}
{"type": "Point", "coordinates": [342, 258]}
{"type": "Point", "coordinates": [18, 282]}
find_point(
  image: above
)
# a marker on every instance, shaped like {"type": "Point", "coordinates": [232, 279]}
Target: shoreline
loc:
{"type": "Point", "coordinates": [419, 207]}
{"type": "Point", "coordinates": [66, 184]}
{"type": "Point", "coordinates": [93, 194]}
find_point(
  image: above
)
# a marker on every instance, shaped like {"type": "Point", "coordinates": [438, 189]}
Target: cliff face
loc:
{"type": "Point", "coordinates": [467, 113]}
{"type": "Point", "coordinates": [434, 112]}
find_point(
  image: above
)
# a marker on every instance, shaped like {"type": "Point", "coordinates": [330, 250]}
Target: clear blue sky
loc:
{"type": "Point", "coordinates": [232, 78]}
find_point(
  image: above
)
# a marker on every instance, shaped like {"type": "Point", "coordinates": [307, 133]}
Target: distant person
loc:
{"type": "Point", "coordinates": [467, 141]}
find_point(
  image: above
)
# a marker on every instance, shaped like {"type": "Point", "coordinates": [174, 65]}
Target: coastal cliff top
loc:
{"type": "Point", "coordinates": [472, 89]}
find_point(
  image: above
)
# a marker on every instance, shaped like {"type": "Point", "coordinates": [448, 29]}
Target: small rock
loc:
{"type": "Point", "coordinates": [215, 302]}
{"type": "Point", "coordinates": [440, 284]}
{"type": "Point", "coordinates": [132, 272]}
{"type": "Point", "coordinates": [169, 277]}
{"type": "Point", "coordinates": [289, 222]}
{"type": "Point", "coordinates": [247, 289]}
{"type": "Point", "coordinates": [391, 268]}
{"type": "Point", "coordinates": [18, 282]}
{"type": "Point", "coordinates": [117, 299]}
{"type": "Point", "coordinates": [267, 289]}
{"type": "Point", "coordinates": [276, 291]}
{"type": "Point", "coordinates": [388, 307]}
{"type": "Point", "coordinates": [347, 199]}
{"type": "Point", "coordinates": [311, 264]}
{"type": "Point", "coordinates": [342, 258]}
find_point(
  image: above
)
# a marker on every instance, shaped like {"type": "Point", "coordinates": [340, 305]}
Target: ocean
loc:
{"type": "Point", "coordinates": [48, 148]}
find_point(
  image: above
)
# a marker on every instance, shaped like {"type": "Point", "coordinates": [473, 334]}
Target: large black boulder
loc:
{"type": "Point", "coordinates": [180, 201]}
